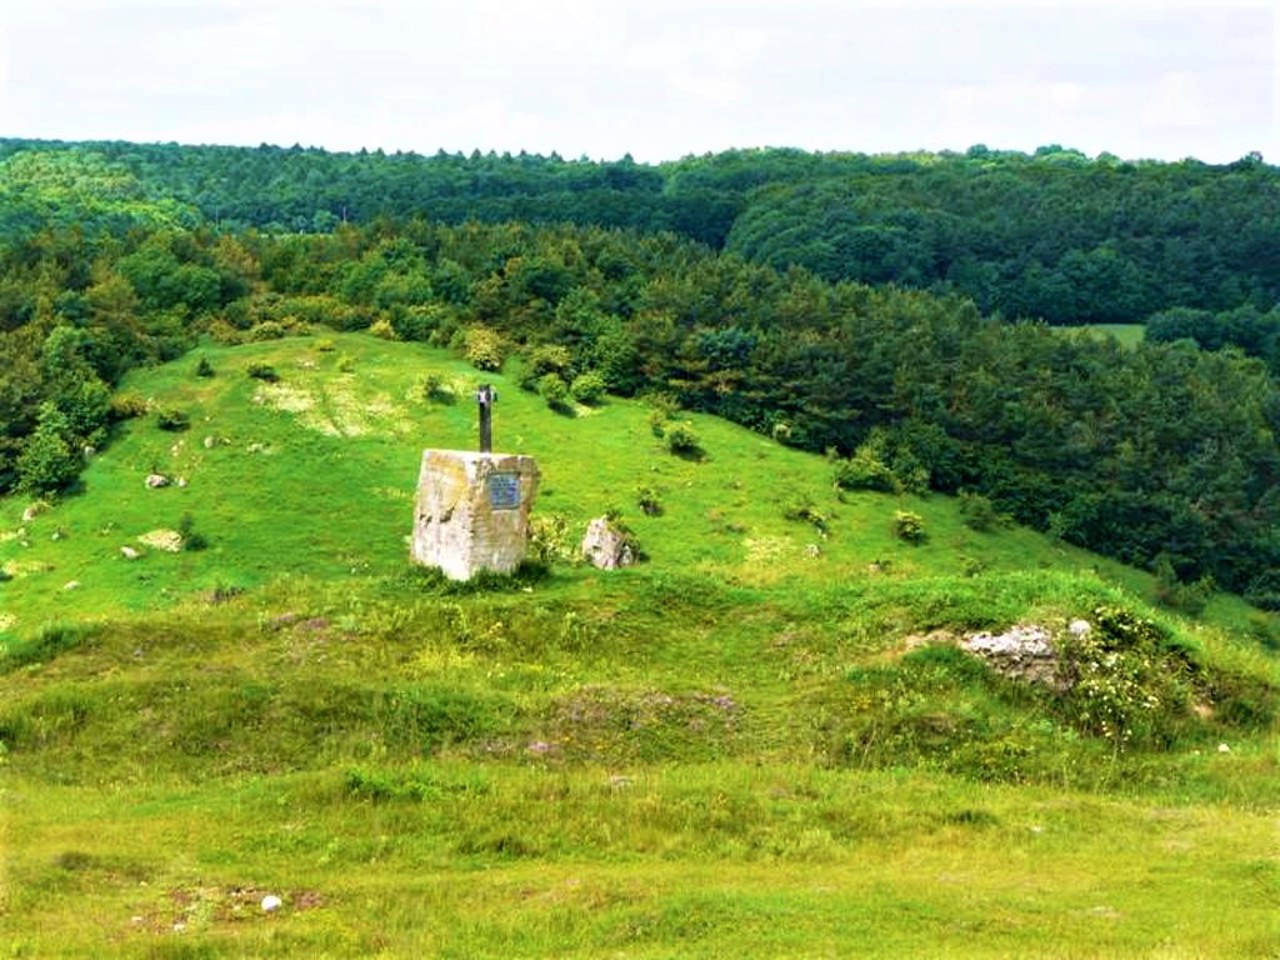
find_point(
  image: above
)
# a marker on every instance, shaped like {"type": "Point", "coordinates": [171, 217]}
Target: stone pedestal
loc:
{"type": "Point", "coordinates": [472, 511]}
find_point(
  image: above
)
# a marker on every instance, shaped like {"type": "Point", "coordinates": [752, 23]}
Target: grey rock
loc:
{"type": "Point", "coordinates": [607, 547]}
{"type": "Point", "coordinates": [1023, 652]}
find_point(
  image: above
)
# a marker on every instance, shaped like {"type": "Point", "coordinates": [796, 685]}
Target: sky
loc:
{"type": "Point", "coordinates": [659, 79]}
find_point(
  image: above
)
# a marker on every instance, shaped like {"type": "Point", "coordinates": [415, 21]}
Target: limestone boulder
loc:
{"type": "Point", "coordinates": [471, 512]}
{"type": "Point", "coordinates": [155, 481]}
{"type": "Point", "coordinates": [607, 546]}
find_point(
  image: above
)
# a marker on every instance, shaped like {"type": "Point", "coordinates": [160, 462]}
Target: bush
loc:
{"type": "Point", "coordinates": [553, 390]}
{"type": "Point", "coordinates": [127, 405]}
{"type": "Point", "coordinates": [484, 349]}
{"type": "Point", "coordinates": [650, 501]}
{"type": "Point", "coordinates": [434, 386]}
{"type": "Point", "coordinates": [48, 463]}
{"type": "Point", "coordinates": [867, 470]}
{"type": "Point", "coordinates": [548, 358]}
{"type": "Point", "coordinates": [383, 329]}
{"type": "Point", "coordinates": [204, 368]}
{"type": "Point", "coordinates": [172, 419]}
{"type": "Point", "coordinates": [802, 509]}
{"type": "Point", "coordinates": [263, 371]}
{"type": "Point", "coordinates": [588, 388]}
{"type": "Point", "coordinates": [909, 527]}
{"type": "Point", "coordinates": [682, 439]}
{"type": "Point", "coordinates": [266, 330]}
{"type": "Point", "coordinates": [979, 513]}
{"type": "Point", "coordinates": [1189, 598]}
{"type": "Point", "coordinates": [550, 541]}
{"type": "Point", "coordinates": [192, 540]}
{"type": "Point", "coordinates": [1129, 682]}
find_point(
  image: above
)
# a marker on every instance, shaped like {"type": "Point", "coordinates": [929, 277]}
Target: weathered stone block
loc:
{"type": "Point", "coordinates": [472, 511]}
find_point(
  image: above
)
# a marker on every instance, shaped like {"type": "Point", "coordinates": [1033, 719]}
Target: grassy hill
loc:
{"type": "Point", "coordinates": [760, 742]}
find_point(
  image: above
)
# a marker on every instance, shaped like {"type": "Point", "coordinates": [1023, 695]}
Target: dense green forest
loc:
{"type": "Point", "coordinates": [1053, 235]}
{"type": "Point", "coordinates": [731, 284]}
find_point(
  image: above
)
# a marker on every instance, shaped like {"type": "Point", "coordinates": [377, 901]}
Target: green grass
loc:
{"type": "Point", "coordinates": [733, 749]}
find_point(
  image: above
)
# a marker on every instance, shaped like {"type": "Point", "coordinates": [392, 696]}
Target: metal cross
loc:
{"type": "Point", "coordinates": [486, 396]}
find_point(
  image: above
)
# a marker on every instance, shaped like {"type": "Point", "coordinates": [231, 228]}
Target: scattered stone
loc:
{"type": "Point", "coordinates": [34, 510]}
{"type": "Point", "coordinates": [1079, 628]}
{"type": "Point", "coordinates": [257, 448]}
{"type": "Point", "coordinates": [89, 450]}
{"type": "Point", "coordinates": [607, 546]}
{"type": "Point", "coordinates": [210, 442]}
{"type": "Point", "coordinates": [71, 585]}
{"type": "Point", "coordinates": [169, 541]}
{"type": "Point", "coordinates": [129, 553]}
{"type": "Point", "coordinates": [157, 480]}
{"type": "Point", "coordinates": [57, 535]}
{"type": "Point", "coordinates": [1223, 748]}
{"type": "Point", "coordinates": [182, 482]}
{"type": "Point", "coordinates": [1023, 652]}
{"type": "Point", "coordinates": [619, 782]}
{"type": "Point", "coordinates": [813, 551]}
{"type": "Point", "coordinates": [271, 903]}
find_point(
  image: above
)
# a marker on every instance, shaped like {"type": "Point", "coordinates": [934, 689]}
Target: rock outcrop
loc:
{"type": "Point", "coordinates": [1023, 652]}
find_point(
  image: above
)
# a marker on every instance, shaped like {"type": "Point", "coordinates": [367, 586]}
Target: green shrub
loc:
{"type": "Point", "coordinates": [867, 470]}
{"type": "Point", "coordinates": [552, 388]}
{"type": "Point", "coordinates": [48, 462]}
{"type": "Point", "coordinates": [548, 358]}
{"type": "Point", "coordinates": [682, 439]}
{"type": "Point", "coordinates": [484, 349]}
{"type": "Point", "coordinates": [1189, 598]}
{"type": "Point", "coordinates": [192, 539]}
{"type": "Point", "coordinates": [909, 527]}
{"type": "Point", "coordinates": [550, 541]}
{"type": "Point", "coordinates": [128, 404]}
{"type": "Point", "coordinates": [266, 330]}
{"type": "Point", "coordinates": [802, 509]}
{"type": "Point", "coordinates": [172, 419]}
{"type": "Point", "coordinates": [649, 500]}
{"type": "Point", "coordinates": [588, 388]}
{"type": "Point", "coordinates": [204, 368]}
{"type": "Point", "coordinates": [263, 371]}
{"type": "Point", "coordinates": [979, 513]}
{"type": "Point", "coordinates": [1129, 683]}
{"type": "Point", "coordinates": [435, 386]}
{"type": "Point", "coordinates": [383, 330]}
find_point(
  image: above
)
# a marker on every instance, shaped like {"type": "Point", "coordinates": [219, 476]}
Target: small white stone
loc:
{"type": "Point", "coordinates": [1078, 628]}
{"type": "Point", "coordinates": [129, 553]}
{"type": "Point", "coordinates": [71, 585]}
{"type": "Point", "coordinates": [271, 903]}
{"type": "Point", "coordinates": [1223, 748]}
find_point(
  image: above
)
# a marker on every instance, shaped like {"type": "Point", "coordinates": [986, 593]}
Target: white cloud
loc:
{"type": "Point", "coordinates": [657, 78]}
{"type": "Point", "coordinates": [1176, 100]}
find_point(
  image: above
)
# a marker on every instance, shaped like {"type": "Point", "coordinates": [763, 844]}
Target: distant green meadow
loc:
{"type": "Point", "coordinates": [762, 741]}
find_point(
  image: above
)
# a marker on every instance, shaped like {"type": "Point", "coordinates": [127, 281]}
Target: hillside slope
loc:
{"type": "Point", "coordinates": [762, 741]}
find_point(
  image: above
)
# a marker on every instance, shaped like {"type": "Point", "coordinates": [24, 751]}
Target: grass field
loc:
{"type": "Point", "coordinates": [740, 747]}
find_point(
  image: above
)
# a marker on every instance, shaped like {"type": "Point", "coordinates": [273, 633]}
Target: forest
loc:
{"type": "Point", "coordinates": [903, 313]}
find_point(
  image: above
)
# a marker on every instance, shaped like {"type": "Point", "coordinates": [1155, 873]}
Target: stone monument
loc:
{"type": "Point", "coordinates": [472, 509]}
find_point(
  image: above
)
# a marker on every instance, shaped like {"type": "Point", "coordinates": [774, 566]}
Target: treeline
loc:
{"type": "Point", "coordinates": [1160, 452]}
{"type": "Point", "coordinates": [1053, 235]}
